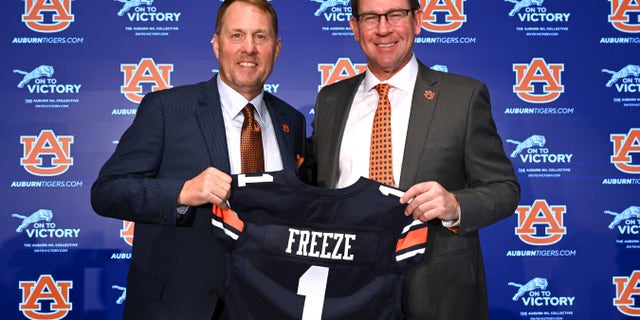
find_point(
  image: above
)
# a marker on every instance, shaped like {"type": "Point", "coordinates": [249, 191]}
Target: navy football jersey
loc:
{"type": "Point", "coordinates": [303, 252]}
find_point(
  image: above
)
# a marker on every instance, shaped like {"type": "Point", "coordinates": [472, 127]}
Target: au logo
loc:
{"type": "Point", "coordinates": [36, 10]}
{"type": "Point", "coordinates": [626, 289]}
{"type": "Point", "coordinates": [146, 71]}
{"type": "Point", "coordinates": [621, 13]}
{"type": "Point", "coordinates": [342, 69]}
{"type": "Point", "coordinates": [540, 214]}
{"type": "Point", "coordinates": [126, 233]}
{"type": "Point", "coordinates": [442, 15]}
{"type": "Point", "coordinates": [541, 72]}
{"type": "Point", "coordinates": [623, 146]}
{"type": "Point", "coordinates": [55, 148]}
{"type": "Point", "coordinates": [45, 290]}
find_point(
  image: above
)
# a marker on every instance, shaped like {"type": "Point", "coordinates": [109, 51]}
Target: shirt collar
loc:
{"type": "Point", "coordinates": [405, 79]}
{"type": "Point", "coordinates": [233, 102]}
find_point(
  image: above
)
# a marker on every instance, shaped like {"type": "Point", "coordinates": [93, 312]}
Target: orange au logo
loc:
{"type": "Point", "coordinates": [626, 288]}
{"type": "Point", "coordinates": [623, 146]}
{"type": "Point", "coordinates": [540, 214]}
{"type": "Point", "coordinates": [126, 233]}
{"type": "Point", "coordinates": [342, 69]}
{"type": "Point", "coordinates": [442, 15]}
{"type": "Point", "coordinates": [538, 71]}
{"type": "Point", "coordinates": [146, 71]}
{"type": "Point", "coordinates": [45, 290]}
{"type": "Point", "coordinates": [46, 144]}
{"type": "Point", "coordinates": [58, 10]}
{"type": "Point", "coordinates": [621, 13]}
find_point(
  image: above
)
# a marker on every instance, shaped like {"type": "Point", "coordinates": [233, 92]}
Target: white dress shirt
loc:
{"type": "Point", "coordinates": [232, 105]}
{"type": "Point", "coordinates": [356, 141]}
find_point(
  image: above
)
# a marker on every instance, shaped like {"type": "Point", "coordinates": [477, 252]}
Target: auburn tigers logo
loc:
{"type": "Point", "coordinates": [126, 233]}
{"type": "Point", "coordinates": [623, 146]}
{"type": "Point", "coordinates": [541, 72]}
{"type": "Point", "coordinates": [45, 290]}
{"type": "Point", "coordinates": [46, 144]}
{"type": "Point", "coordinates": [34, 16]}
{"type": "Point", "coordinates": [146, 71]}
{"type": "Point", "coordinates": [342, 69]}
{"type": "Point", "coordinates": [442, 15]}
{"type": "Point", "coordinates": [626, 289]}
{"type": "Point", "coordinates": [540, 214]}
{"type": "Point", "coordinates": [533, 284]}
{"type": "Point", "coordinates": [621, 13]}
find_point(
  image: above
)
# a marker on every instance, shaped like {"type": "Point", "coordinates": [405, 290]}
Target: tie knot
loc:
{"type": "Point", "coordinates": [383, 89]}
{"type": "Point", "coordinates": [247, 111]}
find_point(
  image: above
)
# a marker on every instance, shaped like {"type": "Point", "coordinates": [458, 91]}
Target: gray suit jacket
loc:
{"type": "Point", "coordinates": [178, 265]}
{"type": "Point", "coordinates": [451, 139]}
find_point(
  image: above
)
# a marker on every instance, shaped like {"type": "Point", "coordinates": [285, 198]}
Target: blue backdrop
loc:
{"type": "Point", "coordinates": [565, 88]}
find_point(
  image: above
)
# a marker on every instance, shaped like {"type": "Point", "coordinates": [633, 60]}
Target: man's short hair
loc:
{"type": "Point", "coordinates": [263, 5]}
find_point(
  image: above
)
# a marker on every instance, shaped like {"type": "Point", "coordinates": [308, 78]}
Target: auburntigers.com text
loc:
{"type": "Point", "coordinates": [541, 253]}
{"type": "Point", "coordinates": [539, 111]}
{"type": "Point", "coordinates": [47, 40]}
{"type": "Point", "coordinates": [47, 184]}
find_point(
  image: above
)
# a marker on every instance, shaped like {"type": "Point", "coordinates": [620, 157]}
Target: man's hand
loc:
{"type": "Point", "coordinates": [429, 200]}
{"type": "Point", "coordinates": [210, 186]}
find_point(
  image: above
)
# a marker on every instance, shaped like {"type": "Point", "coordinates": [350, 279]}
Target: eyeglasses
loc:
{"type": "Point", "coordinates": [394, 17]}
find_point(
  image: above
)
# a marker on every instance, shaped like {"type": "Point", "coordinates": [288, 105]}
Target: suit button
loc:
{"type": "Point", "coordinates": [214, 294]}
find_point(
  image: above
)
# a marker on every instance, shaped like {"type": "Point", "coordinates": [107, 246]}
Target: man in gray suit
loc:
{"type": "Point", "coordinates": [446, 154]}
{"type": "Point", "coordinates": [174, 162]}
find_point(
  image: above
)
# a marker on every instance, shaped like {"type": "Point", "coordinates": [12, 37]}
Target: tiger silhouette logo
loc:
{"type": "Point", "coordinates": [535, 140]}
{"type": "Point", "coordinates": [440, 67]}
{"type": "Point", "coordinates": [519, 5]}
{"type": "Point", "coordinates": [326, 4]}
{"type": "Point", "coordinates": [628, 213]}
{"type": "Point", "coordinates": [128, 4]}
{"type": "Point", "coordinates": [39, 72]}
{"type": "Point", "coordinates": [533, 284]}
{"type": "Point", "coordinates": [123, 295]}
{"type": "Point", "coordinates": [40, 215]}
{"type": "Point", "coordinates": [628, 70]}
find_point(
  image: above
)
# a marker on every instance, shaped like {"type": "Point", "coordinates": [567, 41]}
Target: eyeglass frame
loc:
{"type": "Point", "coordinates": [380, 15]}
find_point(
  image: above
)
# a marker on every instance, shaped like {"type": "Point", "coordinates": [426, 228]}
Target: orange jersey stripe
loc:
{"type": "Point", "coordinates": [228, 217]}
{"type": "Point", "coordinates": [413, 238]}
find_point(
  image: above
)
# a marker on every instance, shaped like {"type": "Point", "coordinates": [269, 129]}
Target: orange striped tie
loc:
{"type": "Point", "coordinates": [251, 153]}
{"type": "Point", "coordinates": [380, 155]}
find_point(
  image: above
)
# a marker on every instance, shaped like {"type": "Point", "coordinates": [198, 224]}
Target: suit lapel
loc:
{"type": "Point", "coordinates": [209, 118]}
{"type": "Point", "coordinates": [341, 101]}
{"type": "Point", "coordinates": [282, 130]}
{"type": "Point", "coordinates": [422, 109]}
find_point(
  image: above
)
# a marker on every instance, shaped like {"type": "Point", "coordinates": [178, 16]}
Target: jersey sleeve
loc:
{"type": "Point", "coordinates": [228, 226]}
{"type": "Point", "coordinates": [412, 242]}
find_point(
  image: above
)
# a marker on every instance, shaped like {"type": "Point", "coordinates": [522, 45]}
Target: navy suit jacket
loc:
{"type": "Point", "coordinates": [451, 139]}
{"type": "Point", "coordinates": [178, 265]}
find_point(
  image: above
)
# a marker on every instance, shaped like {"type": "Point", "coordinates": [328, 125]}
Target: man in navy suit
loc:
{"type": "Point", "coordinates": [446, 154]}
{"type": "Point", "coordinates": [174, 162]}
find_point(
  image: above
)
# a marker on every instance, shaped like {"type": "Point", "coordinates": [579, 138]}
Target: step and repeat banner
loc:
{"type": "Point", "coordinates": [564, 78]}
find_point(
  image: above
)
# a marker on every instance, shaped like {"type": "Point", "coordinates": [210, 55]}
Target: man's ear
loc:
{"type": "Point", "coordinates": [353, 23]}
{"type": "Point", "coordinates": [214, 45]}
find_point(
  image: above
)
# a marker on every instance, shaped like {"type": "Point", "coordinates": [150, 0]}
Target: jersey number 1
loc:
{"type": "Point", "coordinates": [312, 285]}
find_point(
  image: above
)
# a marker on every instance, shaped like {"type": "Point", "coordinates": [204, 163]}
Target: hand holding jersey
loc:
{"type": "Point", "coordinates": [430, 200]}
{"type": "Point", "coordinates": [210, 186]}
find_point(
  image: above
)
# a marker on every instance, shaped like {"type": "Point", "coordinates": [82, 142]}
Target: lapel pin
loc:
{"type": "Point", "coordinates": [285, 128]}
{"type": "Point", "coordinates": [429, 95]}
{"type": "Point", "coordinates": [299, 161]}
